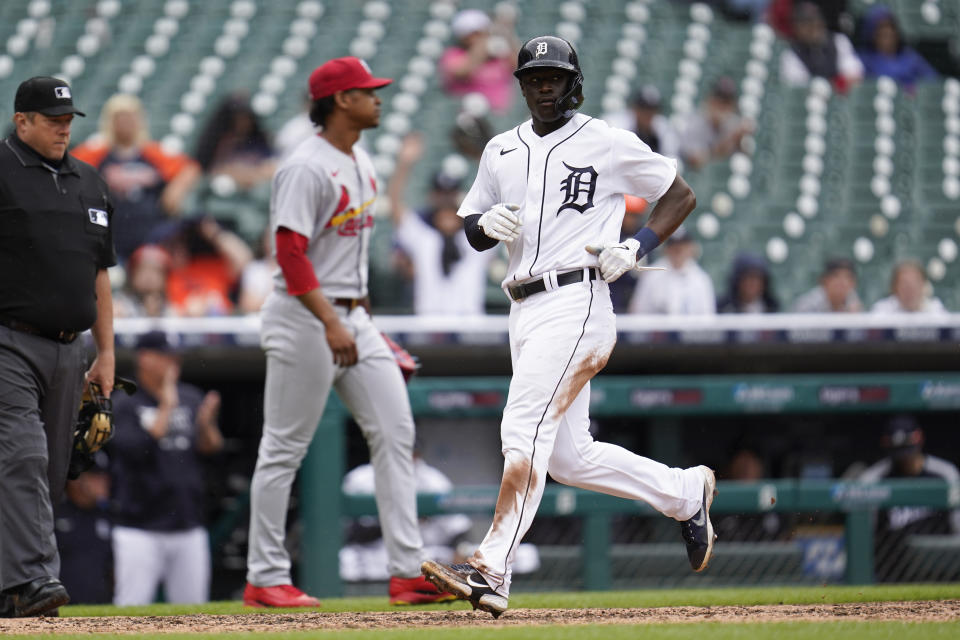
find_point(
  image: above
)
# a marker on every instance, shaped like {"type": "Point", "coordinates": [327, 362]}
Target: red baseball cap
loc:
{"type": "Point", "coordinates": [342, 74]}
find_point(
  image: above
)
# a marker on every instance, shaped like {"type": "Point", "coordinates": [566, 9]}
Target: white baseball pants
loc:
{"type": "Point", "coordinates": [300, 374]}
{"type": "Point", "coordinates": [143, 560]}
{"type": "Point", "coordinates": [559, 340]}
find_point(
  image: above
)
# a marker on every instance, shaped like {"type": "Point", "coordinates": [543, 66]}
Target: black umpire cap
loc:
{"type": "Point", "coordinates": [47, 95]}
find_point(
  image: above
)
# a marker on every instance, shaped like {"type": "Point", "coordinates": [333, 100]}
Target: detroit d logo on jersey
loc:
{"type": "Point", "coordinates": [578, 189]}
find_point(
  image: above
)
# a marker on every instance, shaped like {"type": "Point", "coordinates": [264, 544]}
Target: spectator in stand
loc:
{"type": "Point", "coordinates": [780, 15]}
{"type": "Point", "coordinates": [746, 466]}
{"type": "Point", "coordinates": [884, 53]}
{"type": "Point", "coordinates": [144, 293]}
{"type": "Point", "coordinates": [449, 276]}
{"type": "Point", "coordinates": [651, 125]}
{"type": "Point", "coordinates": [815, 51]}
{"type": "Point", "coordinates": [157, 478]}
{"type": "Point", "coordinates": [82, 526]}
{"type": "Point", "coordinates": [295, 130]}
{"type": "Point", "coordinates": [909, 289]}
{"type": "Point", "coordinates": [903, 442]}
{"type": "Point", "coordinates": [206, 262]}
{"type": "Point", "coordinates": [684, 288]}
{"type": "Point", "coordinates": [234, 143]}
{"type": "Point", "coordinates": [256, 280]}
{"type": "Point", "coordinates": [470, 135]}
{"type": "Point", "coordinates": [837, 291]}
{"type": "Point", "coordinates": [750, 289]}
{"type": "Point", "coordinates": [148, 185]}
{"type": "Point", "coordinates": [483, 59]}
{"type": "Point", "coordinates": [716, 130]}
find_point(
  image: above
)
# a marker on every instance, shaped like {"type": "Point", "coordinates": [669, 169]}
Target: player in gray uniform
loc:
{"type": "Point", "coordinates": [552, 189]}
{"type": "Point", "coordinates": [317, 334]}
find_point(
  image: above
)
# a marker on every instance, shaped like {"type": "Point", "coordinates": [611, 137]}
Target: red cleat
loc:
{"type": "Point", "coordinates": [282, 595]}
{"type": "Point", "coordinates": [416, 591]}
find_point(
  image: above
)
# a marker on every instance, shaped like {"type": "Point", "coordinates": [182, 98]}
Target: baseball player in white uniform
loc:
{"type": "Point", "coordinates": [553, 190]}
{"type": "Point", "coordinates": [317, 334]}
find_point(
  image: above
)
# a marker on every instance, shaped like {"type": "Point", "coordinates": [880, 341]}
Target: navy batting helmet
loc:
{"type": "Point", "coordinates": [551, 52]}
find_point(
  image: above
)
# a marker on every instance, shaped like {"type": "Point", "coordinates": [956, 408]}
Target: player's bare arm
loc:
{"type": "Point", "coordinates": [672, 209]}
{"type": "Point", "coordinates": [410, 153]}
{"type": "Point", "coordinates": [102, 369]}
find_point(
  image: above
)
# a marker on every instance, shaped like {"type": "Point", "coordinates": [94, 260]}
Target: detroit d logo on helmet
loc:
{"type": "Point", "coordinates": [578, 188]}
{"type": "Point", "coordinates": [541, 49]}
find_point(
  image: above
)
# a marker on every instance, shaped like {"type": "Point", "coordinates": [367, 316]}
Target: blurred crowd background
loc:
{"type": "Point", "coordinates": [822, 140]}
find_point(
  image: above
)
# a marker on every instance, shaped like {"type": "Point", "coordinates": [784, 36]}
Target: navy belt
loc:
{"type": "Point", "coordinates": [65, 337]}
{"type": "Point", "coordinates": [520, 291]}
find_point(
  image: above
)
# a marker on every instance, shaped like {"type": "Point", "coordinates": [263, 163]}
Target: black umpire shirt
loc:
{"type": "Point", "coordinates": [55, 234]}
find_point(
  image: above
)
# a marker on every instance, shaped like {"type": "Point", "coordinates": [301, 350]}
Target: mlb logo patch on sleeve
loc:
{"type": "Point", "coordinates": [98, 216]}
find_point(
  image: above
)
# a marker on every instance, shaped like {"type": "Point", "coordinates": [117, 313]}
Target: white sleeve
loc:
{"type": "Point", "coordinates": [793, 72]}
{"type": "Point", "coordinates": [848, 63]}
{"type": "Point", "coordinates": [669, 140]}
{"type": "Point", "coordinates": [410, 232]}
{"type": "Point", "coordinates": [484, 192]}
{"type": "Point", "coordinates": [637, 170]}
{"type": "Point", "coordinates": [935, 306]}
{"type": "Point", "coordinates": [640, 300]}
{"type": "Point", "coordinates": [302, 199]}
{"type": "Point", "coordinates": [706, 301]}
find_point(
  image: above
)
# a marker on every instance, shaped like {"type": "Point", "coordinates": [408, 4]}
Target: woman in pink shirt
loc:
{"type": "Point", "coordinates": [482, 62]}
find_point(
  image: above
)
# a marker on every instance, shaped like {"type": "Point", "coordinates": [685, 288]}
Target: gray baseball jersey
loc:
{"type": "Point", "coordinates": [327, 196]}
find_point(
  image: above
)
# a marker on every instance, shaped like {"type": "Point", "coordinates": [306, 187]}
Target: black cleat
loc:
{"type": "Point", "coordinates": [466, 583]}
{"type": "Point", "coordinates": [698, 532]}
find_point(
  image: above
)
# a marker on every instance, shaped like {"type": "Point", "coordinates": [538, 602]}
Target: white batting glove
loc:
{"type": "Point", "coordinates": [615, 259]}
{"type": "Point", "coordinates": [501, 222]}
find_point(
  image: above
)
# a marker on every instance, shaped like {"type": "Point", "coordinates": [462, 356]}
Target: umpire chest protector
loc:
{"type": "Point", "coordinates": [55, 235]}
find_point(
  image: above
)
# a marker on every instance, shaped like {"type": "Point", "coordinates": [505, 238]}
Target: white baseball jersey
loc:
{"type": "Point", "coordinates": [327, 195]}
{"type": "Point", "coordinates": [569, 185]}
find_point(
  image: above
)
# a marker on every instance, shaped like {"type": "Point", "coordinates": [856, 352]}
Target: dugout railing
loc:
{"type": "Point", "coordinates": [855, 505]}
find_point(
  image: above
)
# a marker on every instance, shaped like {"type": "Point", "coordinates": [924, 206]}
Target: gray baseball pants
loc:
{"type": "Point", "coordinates": [40, 386]}
{"type": "Point", "coordinates": [300, 374]}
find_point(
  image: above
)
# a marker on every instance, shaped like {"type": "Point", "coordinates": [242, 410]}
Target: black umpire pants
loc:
{"type": "Point", "coordinates": [40, 388]}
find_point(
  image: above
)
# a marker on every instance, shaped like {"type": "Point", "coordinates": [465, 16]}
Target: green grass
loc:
{"type": "Point", "coordinates": [585, 599]}
{"type": "Point", "coordinates": [801, 630]}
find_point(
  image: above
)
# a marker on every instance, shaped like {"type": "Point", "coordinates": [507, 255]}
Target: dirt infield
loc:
{"type": "Point", "coordinates": [945, 610]}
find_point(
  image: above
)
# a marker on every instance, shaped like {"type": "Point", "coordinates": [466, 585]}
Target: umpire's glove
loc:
{"type": "Point", "coordinates": [501, 222]}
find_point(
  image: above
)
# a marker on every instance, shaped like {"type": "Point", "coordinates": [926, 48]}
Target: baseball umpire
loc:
{"type": "Point", "coordinates": [552, 189]}
{"type": "Point", "coordinates": [317, 334]}
{"type": "Point", "coordinates": [55, 247]}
